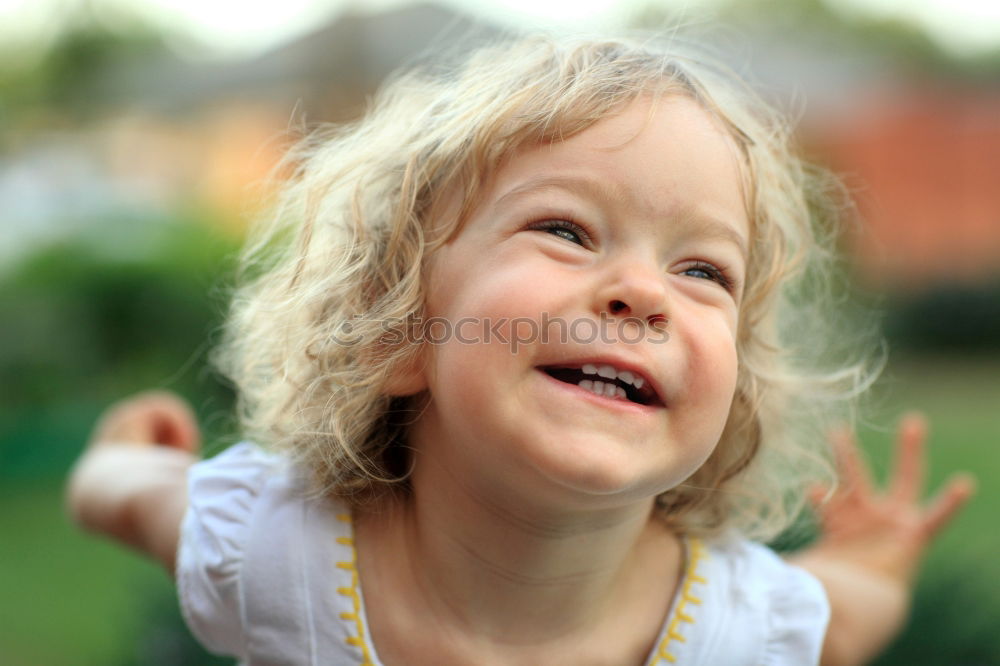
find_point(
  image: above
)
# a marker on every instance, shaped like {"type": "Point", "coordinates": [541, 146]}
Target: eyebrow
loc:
{"type": "Point", "coordinates": [704, 225]}
{"type": "Point", "coordinates": [713, 228]}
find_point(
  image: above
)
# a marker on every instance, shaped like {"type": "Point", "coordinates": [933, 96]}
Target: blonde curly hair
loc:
{"type": "Point", "coordinates": [347, 244]}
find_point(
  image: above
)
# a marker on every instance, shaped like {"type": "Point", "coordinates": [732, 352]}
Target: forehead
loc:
{"type": "Point", "coordinates": [664, 157]}
{"type": "Point", "coordinates": [673, 125]}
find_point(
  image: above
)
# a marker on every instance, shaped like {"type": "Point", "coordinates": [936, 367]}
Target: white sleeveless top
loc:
{"type": "Point", "coordinates": [269, 577]}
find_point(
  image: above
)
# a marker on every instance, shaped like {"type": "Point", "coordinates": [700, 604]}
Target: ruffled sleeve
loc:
{"type": "Point", "coordinates": [754, 609]}
{"type": "Point", "coordinates": [222, 497]}
{"type": "Point", "coordinates": [799, 614]}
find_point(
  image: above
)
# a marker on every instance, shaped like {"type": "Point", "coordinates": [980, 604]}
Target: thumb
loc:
{"type": "Point", "coordinates": [946, 505]}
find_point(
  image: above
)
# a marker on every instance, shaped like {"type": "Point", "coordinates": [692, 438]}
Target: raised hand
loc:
{"type": "Point", "coordinates": [130, 481]}
{"type": "Point", "coordinates": [887, 530]}
{"type": "Point", "coordinates": [871, 542]}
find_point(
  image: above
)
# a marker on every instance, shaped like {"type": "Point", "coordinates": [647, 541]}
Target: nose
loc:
{"type": "Point", "coordinates": [634, 289]}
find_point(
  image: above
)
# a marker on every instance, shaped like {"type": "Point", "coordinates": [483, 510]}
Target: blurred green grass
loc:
{"type": "Point", "coordinates": [73, 599]}
{"type": "Point", "coordinates": [68, 598]}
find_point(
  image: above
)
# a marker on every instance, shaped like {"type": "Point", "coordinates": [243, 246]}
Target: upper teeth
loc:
{"type": "Point", "coordinates": [609, 372]}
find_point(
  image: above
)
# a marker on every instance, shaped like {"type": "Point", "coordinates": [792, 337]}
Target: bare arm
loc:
{"type": "Point", "coordinates": [130, 482]}
{"type": "Point", "coordinates": [872, 542]}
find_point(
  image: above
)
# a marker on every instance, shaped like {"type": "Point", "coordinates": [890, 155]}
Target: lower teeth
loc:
{"type": "Point", "coordinates": [605, 389]}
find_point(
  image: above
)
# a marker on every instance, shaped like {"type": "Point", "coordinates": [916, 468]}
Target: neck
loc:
{"type": "Point", "coordinates": [496, 567]}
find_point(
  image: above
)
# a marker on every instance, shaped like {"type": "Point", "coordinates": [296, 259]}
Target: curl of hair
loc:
{"type": "Point", "coordinates": [332, 278]}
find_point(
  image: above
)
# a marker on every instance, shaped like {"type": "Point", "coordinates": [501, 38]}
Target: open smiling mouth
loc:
{"type": "Point", "coordinates": [606, 381]}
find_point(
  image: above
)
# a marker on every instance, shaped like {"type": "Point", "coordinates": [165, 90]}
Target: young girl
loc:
{"type": "Point", "coordinates": [521, 346]}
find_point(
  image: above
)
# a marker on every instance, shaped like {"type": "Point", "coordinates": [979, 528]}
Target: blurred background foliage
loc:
{"type": "Point", "coordinates": [82, 327]}
{"type": "Point", "coordinates": [125, 176]}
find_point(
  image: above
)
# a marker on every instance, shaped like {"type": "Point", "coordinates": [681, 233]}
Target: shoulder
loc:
{"type": "Point", "coordinates": [787, 601]}
{"type": "Point", "coordinates": [252, 543]}
{"type": "Point", "coordinates": [238, 496]}
{"type": "Point", "coordinates": [242, 484]}
{"type": "Point", "coordinates": [752, 607]}
{"type": "Point", "coordinates": [756, 570]}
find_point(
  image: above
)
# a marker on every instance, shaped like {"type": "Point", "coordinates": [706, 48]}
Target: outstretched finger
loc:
{"type": "Point", "coordinates": [853, 469]}
{"type": "Point", "coordinates": [907, 480]}
{"type": "Point", "coordinates": [947, 503]}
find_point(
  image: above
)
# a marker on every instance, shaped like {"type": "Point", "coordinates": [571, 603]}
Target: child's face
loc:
{"type": "Point", "coordinates": [658, 231]}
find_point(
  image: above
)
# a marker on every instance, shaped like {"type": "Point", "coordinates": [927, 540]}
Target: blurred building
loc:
{"type": "Point", "coordinates": [924, 165]}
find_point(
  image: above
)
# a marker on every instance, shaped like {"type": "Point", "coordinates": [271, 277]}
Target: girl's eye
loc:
{"type": "Point", "coordinates": [706, 271]}
{"type": "Point", "coordinates": [564, 229]}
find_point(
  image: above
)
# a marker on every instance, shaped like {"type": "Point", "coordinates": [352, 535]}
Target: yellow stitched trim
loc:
{"type": "Point", "coordinates": [352, 593]}
{"type": "Point", "coordinates": [697, 552]}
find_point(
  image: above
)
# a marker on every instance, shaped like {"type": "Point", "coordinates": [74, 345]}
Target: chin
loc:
{"type": "Point", "coordinates": [601, 473]}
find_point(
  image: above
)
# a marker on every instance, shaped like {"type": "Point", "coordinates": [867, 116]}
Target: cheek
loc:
{"type": "Point", "coordinates": [466, 279]}
{"type": "Point", "coordinates": [472, 387]}
{"type": "Point", "coordinates": [502, 295]}
{"type": "Point", "coordinates": [712, 372]}
{"type": "Point", "coordinates": [709, 389]}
